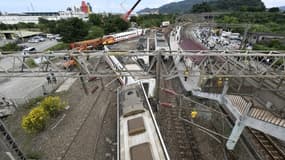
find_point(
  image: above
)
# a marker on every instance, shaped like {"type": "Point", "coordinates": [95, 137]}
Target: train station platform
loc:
{"type": "Point", "coordinates": [192, 80]}
{"type": "Point", "coordinates": [244, 111]}
{"type": "Point", "coordinates": [247, 115]}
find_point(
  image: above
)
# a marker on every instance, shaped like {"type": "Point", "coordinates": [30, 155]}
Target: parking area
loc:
{"type": "Point", "coordinates": [41, 46]}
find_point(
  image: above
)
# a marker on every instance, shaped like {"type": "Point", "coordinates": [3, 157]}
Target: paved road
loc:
{"type": "Point", "coordinates": [7, 63]}
{"type": "Point", "coordinates": [41, 46]}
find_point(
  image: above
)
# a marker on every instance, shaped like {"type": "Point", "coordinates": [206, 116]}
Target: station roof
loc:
{"type": "Point", "coordinates": [20, 33]}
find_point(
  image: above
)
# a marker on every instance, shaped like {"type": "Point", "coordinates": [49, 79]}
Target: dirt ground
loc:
{"type": "Point", "coordinates": [74, 133]}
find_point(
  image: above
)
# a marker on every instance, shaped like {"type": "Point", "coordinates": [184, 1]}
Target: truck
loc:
{"type": "Point", "coordinates": [165, 24]}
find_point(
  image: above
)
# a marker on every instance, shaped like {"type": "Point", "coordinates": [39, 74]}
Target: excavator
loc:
{"type": "Point", "coordinates": [127, 15]}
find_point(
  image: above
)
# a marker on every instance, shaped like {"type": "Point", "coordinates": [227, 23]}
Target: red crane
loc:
{"type": "Point", "coordinates": [126, 16]}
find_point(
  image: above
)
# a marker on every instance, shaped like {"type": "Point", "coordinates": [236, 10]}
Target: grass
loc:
{"type": "Point", "coordinates": [60, 46]}
{"type": "Point", "coordinates": [31, 63]}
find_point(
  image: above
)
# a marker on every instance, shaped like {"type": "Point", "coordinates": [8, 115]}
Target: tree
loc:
{"type": "Point", "coordinates": [199, 8]}
{"type": "Point", "coordinates": [35, 121]}
{"type": "Point", "coordinates": [274, 9]}
{"type": "Point", "coordinates": [52, 105]}
{"type": "Point", "coordinates": [133, 19]}
{"type": "Point", "coordinates": [230, 19]}
{"type": "Point", "coordinates": [72, 29]}
{"type": "Point", "coordinates": [96, 19]}
{"type": "Point", "coordinates": [95, 32]}
{"type": "Point", "coordinates": [10, 47]}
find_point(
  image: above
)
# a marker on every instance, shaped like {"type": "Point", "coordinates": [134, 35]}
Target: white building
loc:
{"type": "Point", "coordinates": [33, 17]}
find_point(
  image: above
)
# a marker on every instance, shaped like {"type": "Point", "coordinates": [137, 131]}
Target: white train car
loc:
{"type": "Point", "coordinates": [161, 44]}
{"type": "Point", "coordinates": [139, 137]}
{"type": "Point", "coordinates": [131, 33]}
{"type": "Point", "coordinates": [132, 65]}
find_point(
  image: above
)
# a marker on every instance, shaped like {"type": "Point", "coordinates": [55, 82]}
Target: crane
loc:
{"type": "Point", "coordinates": [126, 16]}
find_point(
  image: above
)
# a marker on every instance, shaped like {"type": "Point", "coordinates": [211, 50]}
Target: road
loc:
{"type": "Point", "coordinates": [21, 89]}
{"type": "Point", "coordinates": [41, 46]}
{"type": "Point", "coordinates": [7, 63]}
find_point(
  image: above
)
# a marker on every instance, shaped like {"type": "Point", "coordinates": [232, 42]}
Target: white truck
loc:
{"type": "Point", "coordinates": [165, 24]}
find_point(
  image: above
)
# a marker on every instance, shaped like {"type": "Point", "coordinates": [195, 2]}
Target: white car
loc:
{"type": "Point", "coordinates": [36, 39]}
{"type": "Point", "coordinates": [33, 40]}
{"type": "Point", "coordinates": [27, 50]}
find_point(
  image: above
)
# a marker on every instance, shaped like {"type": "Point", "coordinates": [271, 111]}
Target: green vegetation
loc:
{"type": "Point", "coordinates": [271, 45]}
{"type": "Point", "coordinates": [237, 5]}
{"type": "Point", "coordinates": [34, 155]}
{"type": "Point", "coordinates": [35, 121]}
{"type": "Point", "coordinates": [153, 20]}
{"type": "Point", "coordinates": [274, 9]}
{"type": "Point", "coordinates": [59, 46]}
{"type": "Point", "coordinates": [31, 63]}
{"type": "Point", "coordinates": [10, 47]}
{"type": "Point", "coordinates": [95, 32]}
{"type": "Point", "coordinates": [185, 6]}
{"type": "Point", "coordinates": [199, 8]}
{"type": "Point", "coordinates": [261, 21]}
{"type": "Point", "coordinates": [179, 7]}
{"type": "Point", "coordinates": [38, 117]}
{"type": "Point", "coordinates": [52, 105]}
{"type": "Point", "coordinates": [74, 29]}
{"type": "Point", "coordinates": [20, 25]}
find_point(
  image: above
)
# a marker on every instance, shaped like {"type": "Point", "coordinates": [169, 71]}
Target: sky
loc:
{"type": "Point", "coordinates": [18, 6]}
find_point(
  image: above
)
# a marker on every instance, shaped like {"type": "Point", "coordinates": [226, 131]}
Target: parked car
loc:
{"type": "Point", "coordinates": [27, 50]}
{"type": "Point", "coordinates": [51, 36]}
{"type": "Point", "coordinates": [36, 39]}
{"type": "Point", "coordinates": [33, 40]}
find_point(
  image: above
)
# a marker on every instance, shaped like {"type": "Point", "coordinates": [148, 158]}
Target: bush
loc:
{"type": "Point", "coordinates": [52, 105]}
{"type": "Point", "coordinates": [31, 63]}
{"type": "Point", "coordinates": [59, 46]}
{"type": "Point", "coordinates": [38, 117]}
{"type": "Point", "coordinates": [35, 121]}
{"type": "Point", "coordinates": [10, 47]}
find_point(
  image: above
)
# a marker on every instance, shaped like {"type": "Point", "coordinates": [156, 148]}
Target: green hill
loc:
{"type": "Point", "coordinates": [185, 6]}
{"type": "Point", "coordinates": [179, 7]}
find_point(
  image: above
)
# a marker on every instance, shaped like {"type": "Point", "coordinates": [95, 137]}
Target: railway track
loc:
{"type": "Point", "coordinates": [66, 153]}
{"type": "Point", "coordinates": [273, 151]}
{"type": "Point", "coordinates": [83, 144]}
{"type": "Point", "coordinates": [177, 134]}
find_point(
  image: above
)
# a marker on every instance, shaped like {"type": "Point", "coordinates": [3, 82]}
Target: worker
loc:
{"type": "Point", "coordinates": [53, 78]}
{"type": "Point", "coordinates": [186, 73]}
{"type": "Point", "coordinates": [220, 82]}
{"type": "Point", "coordinates": [5, 101]}
{"type": "Point", "coordinates": [49, 79]}
{"type": "Point", "coordinates": [194, 114]}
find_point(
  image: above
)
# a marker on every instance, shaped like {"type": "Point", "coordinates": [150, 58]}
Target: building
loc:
{"type": "Point", "coordinates": [33, 17]}
{"type": "Point", "coordinates": [256, 37]}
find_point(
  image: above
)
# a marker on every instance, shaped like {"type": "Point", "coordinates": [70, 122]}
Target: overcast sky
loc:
{"type": "Point", "coordinates": [98, 5]}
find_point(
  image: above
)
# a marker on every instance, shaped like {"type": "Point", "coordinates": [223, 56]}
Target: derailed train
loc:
{"type": "Point", "coordinates": [139, 137]}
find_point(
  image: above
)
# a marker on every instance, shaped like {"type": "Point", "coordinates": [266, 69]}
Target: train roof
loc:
{"type": "Point", "coordinates": [139, 136]}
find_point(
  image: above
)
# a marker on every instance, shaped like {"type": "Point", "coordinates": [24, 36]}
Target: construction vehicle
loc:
{"type": "Point", "coordinates": [127, 15]}
{"type": "Point", "coordinates": [70, 63]}
{"type": "Point", "coordinates": [92, 44]}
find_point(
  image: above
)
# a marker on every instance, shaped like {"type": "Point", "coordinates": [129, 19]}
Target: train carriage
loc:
{"type": "Point", "coordinates": [139, 137]}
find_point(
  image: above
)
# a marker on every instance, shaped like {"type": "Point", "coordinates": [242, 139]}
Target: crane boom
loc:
{"type": "Point", "coordinates": [126, 16]}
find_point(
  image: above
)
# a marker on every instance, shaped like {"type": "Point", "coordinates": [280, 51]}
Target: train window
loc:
{"type": "Point", "coordinates": [130, 93]}
{"type": "Point", "coordinates": [141, 152]}
{"type": "Point", "coordinates": [136, 126]}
